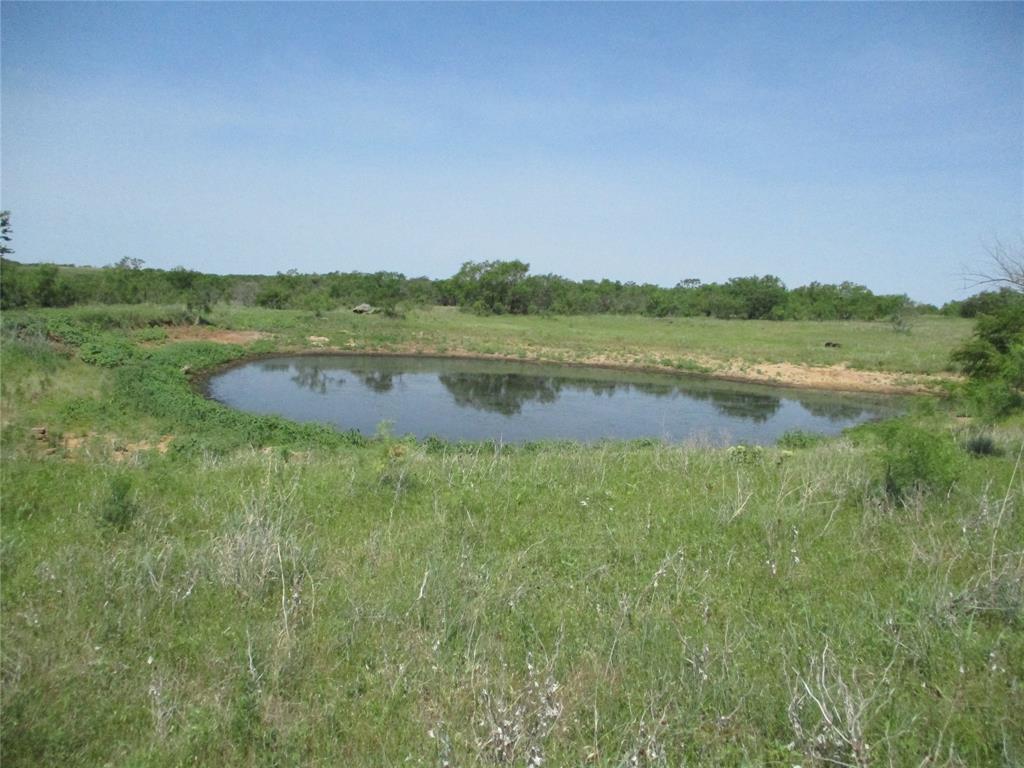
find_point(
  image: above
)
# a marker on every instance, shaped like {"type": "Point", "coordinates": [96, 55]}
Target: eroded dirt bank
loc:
{"type": "Point", "coordinates": [840, 378]}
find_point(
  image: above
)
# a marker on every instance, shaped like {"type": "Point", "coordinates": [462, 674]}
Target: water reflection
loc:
{"type": "Point", "coordinates": [500, 393]}
{"type": "Point", "coordinates": [378, 381]}
{"type": "Point", "coordinates": [836, 410]}
{"type": "Point", "coordinates": [507, 393]}
{"type": "Point", "coordinates": [314, 377]}
{"type": "Point", "coordinates": [755, 407]}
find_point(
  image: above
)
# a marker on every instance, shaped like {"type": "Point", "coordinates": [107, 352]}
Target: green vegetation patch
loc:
{"type": "Point", "coordinates": [270, 593]}
{"type": "Point", "coordinates": [394, 602]}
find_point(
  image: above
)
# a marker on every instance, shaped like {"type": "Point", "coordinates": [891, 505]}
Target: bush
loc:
{"type": "Point", "coordinates": [155, 333]}
{"type": "Point", "coordinates": [993, 359]}
{"type": "Point", "coordinates": [995, 337]}
{"type": "Point", "coordinates": [745, 454]}
{"type": "Point", "coordinates": [992, 400]}
{"type": "Point", "coordinates": [796, 438]}
{"type": "Point", "coordinates": [120, 509]}
{"type": "Point", "coordinates": [915, 461]}
{"type": "Point", "coordinates": [107, 351]}
{"type": "Point", "coordinates": [981, 445]}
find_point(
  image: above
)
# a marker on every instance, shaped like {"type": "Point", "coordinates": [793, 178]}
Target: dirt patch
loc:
{"type": "Point", "coordinates": [125, 451]}
{"type": "Point", "coordinates": [119, 449]}
{"type": "Point", "coordinates": [76, 443]}
{"type": "Point", "coordinates": [833, 377]}
{"type": "Point", "coordinates": [217, 335]}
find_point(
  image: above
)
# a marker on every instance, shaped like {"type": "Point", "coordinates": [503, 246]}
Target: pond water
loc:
{"type": "Point", "coordinates": [519, 402]}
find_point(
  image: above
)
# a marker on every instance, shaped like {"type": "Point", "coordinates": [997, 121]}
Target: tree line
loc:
{"type": "Point", "coordinates": [487, 287]}
{"type": "Point", "coordinates": [484, 287]}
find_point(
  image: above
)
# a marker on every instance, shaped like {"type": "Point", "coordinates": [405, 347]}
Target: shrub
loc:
{"type": "Point", "coordinates": [745, 454]}
{"type": "Point", "coordinates": [900, 322]}
{"type": "Point", "coordinates": [993, 359]}
{"type": "Point", "coordinates": [23, 353]}
{"type": "Point", "coordinates": [796, 438]}
{"type": "Point", "coordinates": [119, 509]}
{"type": "Point", "coordinates": [153, 333]}
{"type": "Point", "coordinates": [981, 445]}
{"type": "Point", "coordinates": [107, 351]}
{"type": "Point", "coordinates": [993, 399]}
{"type": "Point", "coordinates": [915, 460]}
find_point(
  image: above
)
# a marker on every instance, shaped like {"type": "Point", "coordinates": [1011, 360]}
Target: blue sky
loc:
{"type": "Point", "coordinates": [880, 143]}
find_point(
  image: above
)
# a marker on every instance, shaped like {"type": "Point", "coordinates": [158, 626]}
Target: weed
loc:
{"type": "Point", "coordinates": [746, 454]}
{"type": "Point", "coordinates": [120, 508]}
{"type": "Point", "coordinates": [107, 351]}
{"type": "Point", "coordinates": [258, 554]}
{"type": "Point", "coordinates": [830, 715]}
{"type": "Point", "coordinates": [981, 445]}
{"type": "Point", "coordinates": [516, 723]}
{"type": "Point", "coordinates": [796, 439]}
{"type": "Point", "coordinates": [690, 366]}
{"type": "Point", "coordinates": [916, 460]}
{"type": "Point", "coordinates": [150, 334]}
{"type": "Point", "coordinates": [900, 323]}
{"type": "Point", "coordinates": [996, 593]}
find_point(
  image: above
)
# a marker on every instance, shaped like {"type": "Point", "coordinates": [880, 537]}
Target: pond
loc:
{"type": "Point", "coordinates": [458, 399]}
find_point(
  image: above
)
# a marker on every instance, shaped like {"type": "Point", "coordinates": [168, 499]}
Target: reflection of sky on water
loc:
{"type": "Point", "coordinates": [466, 399]}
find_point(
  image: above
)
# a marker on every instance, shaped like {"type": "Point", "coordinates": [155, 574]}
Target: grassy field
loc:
{"type": "Point", "coordinates": [186, 585]}
{"type": "Point", "coordinates": [627, 339]}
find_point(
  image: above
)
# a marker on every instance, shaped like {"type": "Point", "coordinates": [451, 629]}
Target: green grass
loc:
{"type": "Point", "coordinates": [260, 595]}
{"type": "Point", "coordinates": [630, 339]}
{"type": "Point", "coordinates": [871, 346]}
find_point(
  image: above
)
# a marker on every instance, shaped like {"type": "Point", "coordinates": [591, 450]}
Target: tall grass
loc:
{"type": "Point", "coordinates": [611, 605]}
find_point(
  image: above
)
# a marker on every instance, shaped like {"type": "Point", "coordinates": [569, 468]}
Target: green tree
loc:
{"type": "Point", "coordinates": [757, 296]}
{"type": "Point", "coordinates": [13, 290]}
{"type": "Point", "coordinates": [5, 233]}
{"type": "Point", "coordinates": [200, 297]}
{"type": "Point", "coordinates": [492, 286]}
{"type": "Point", "coordinates": [986, 302]}
{"type": "Point", "coordinates": [50, 290]}
{"type": "Point", "coordinates": [993, 359]}
{"type": "Point", "coordinates": [126, 262]}
{"type": "Point", "coordinates": [12, 284]}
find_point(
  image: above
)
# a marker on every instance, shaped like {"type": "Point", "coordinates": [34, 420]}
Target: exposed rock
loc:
{"type": "Point", "coordinates": [364, 309]}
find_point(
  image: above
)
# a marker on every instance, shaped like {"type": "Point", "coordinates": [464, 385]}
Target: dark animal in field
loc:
{"type": "Point", "coordinates": [833, 344]}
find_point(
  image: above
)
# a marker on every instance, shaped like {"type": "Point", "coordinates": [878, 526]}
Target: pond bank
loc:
{"type": "Point", "coordinates": [837, 378]}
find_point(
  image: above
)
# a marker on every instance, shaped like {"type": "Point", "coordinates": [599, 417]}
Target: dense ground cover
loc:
{"type": "Point", "coordinates": [185, 584]}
